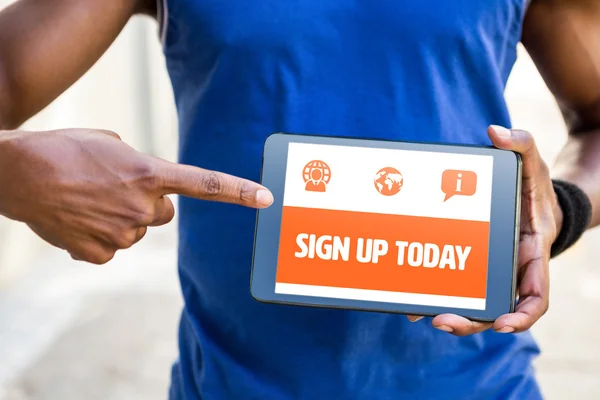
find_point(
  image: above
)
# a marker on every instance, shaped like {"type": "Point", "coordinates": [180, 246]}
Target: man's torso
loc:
{"type": "Point", "coordinates": [432, 70]}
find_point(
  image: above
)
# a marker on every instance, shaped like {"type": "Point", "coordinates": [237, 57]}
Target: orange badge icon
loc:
{"type": "Point", "coordinates": [388, 181]}
{"type": "Point", "coordinates": [316, 175]}
{"type": "Point", "coordinates": [456, 182]}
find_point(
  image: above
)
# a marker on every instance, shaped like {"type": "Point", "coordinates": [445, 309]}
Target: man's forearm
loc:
{"type": "Point", "coordinates": [45, 46]}
{"type": "Point", "coordinates": [562, 39]}
{"type": "Point", "coordinates": [579, 163]}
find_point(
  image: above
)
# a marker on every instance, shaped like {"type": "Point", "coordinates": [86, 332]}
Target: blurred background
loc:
{"type": "Point", "coordinates": [75, 331]}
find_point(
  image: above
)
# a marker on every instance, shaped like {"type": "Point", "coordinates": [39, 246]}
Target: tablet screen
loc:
{"type": "Point", "coordinates": [385, 225]}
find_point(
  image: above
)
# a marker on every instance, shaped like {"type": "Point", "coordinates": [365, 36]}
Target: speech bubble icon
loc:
{"type": "Point", "coordinates": [457, 182]}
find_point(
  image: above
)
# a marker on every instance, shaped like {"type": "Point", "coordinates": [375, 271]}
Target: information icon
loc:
{"type": "Point", "coordinates": [458, 183]}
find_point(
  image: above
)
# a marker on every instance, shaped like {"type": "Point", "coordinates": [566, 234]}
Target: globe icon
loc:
{"type": "Point", "coordinates": [388, 181]}
{"type": "Point", "coordinates": [320, 166]}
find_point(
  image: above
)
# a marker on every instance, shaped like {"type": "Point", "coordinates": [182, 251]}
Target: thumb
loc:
{"type": "Point", "coordinates": [203, 184]}
{"type": "Point", "coordinates": [518, 141]}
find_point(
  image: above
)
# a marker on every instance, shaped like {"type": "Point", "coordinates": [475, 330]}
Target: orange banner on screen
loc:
{"type": "Point", "coordinates": [321, 249]}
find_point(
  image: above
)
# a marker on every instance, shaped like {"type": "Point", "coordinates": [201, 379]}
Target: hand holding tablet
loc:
{"type": "Point", "coordinates": [410, 228]}
{"type": "Point", "coordinates": [541, 221]}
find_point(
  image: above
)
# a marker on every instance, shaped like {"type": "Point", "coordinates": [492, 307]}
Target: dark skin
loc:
{"type": "Point", "coordinates": [563, 39]}
{"type": "Point", "coordinates": [84, 190]}
{"type": "Point", "coordinates": [89, 193]}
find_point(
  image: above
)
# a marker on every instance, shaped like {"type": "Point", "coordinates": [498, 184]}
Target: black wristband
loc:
{"type": "Point", "coordinates": [577, 215]}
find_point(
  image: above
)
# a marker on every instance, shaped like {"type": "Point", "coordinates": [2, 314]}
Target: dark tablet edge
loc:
{"type": "Point", "coordinates": [385, 311]}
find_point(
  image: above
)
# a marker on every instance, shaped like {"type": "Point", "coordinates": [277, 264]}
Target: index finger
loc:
{"type": "Point", "coordinates": [203, 184]}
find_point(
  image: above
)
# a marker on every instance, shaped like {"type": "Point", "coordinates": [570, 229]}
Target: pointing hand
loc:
{"type": "Point", "coordinates": [91, 194]}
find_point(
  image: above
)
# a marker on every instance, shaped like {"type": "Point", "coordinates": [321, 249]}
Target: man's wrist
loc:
{"type": "Point", "coordinates": [3, 170]}
{"type": "Point", "coordinates": [7, 139]}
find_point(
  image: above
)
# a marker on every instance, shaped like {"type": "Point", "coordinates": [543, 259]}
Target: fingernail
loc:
{"type": "Point", "coordinates": [415, 319]}
{"type": "Point", "coordinates": [445, 328]}
{"type": "Point", "coordinates": [501, 131]}
{"type": "Point", "coordinates": [264, 198]}
{"type": "Point", "coordinates": [506, 329]}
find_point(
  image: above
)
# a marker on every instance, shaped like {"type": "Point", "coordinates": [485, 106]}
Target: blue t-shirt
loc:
{"type": "Point", "coordinates": [432, 70]}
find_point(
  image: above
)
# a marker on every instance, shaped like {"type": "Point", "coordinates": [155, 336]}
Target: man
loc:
{"type": "Point", "coordinates": [432, 71]}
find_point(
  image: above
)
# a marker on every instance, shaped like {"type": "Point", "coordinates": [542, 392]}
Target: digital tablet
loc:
{"type": "Point", "coordinates": [388, 226]}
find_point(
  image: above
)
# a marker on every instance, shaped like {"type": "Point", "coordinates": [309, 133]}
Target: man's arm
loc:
{"type": "Point", "coordinates": [563, 39]}
{"type": "Point", "coordinates": [84, 190]}
{"type": "Point", "coordinates": [46, 46]}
